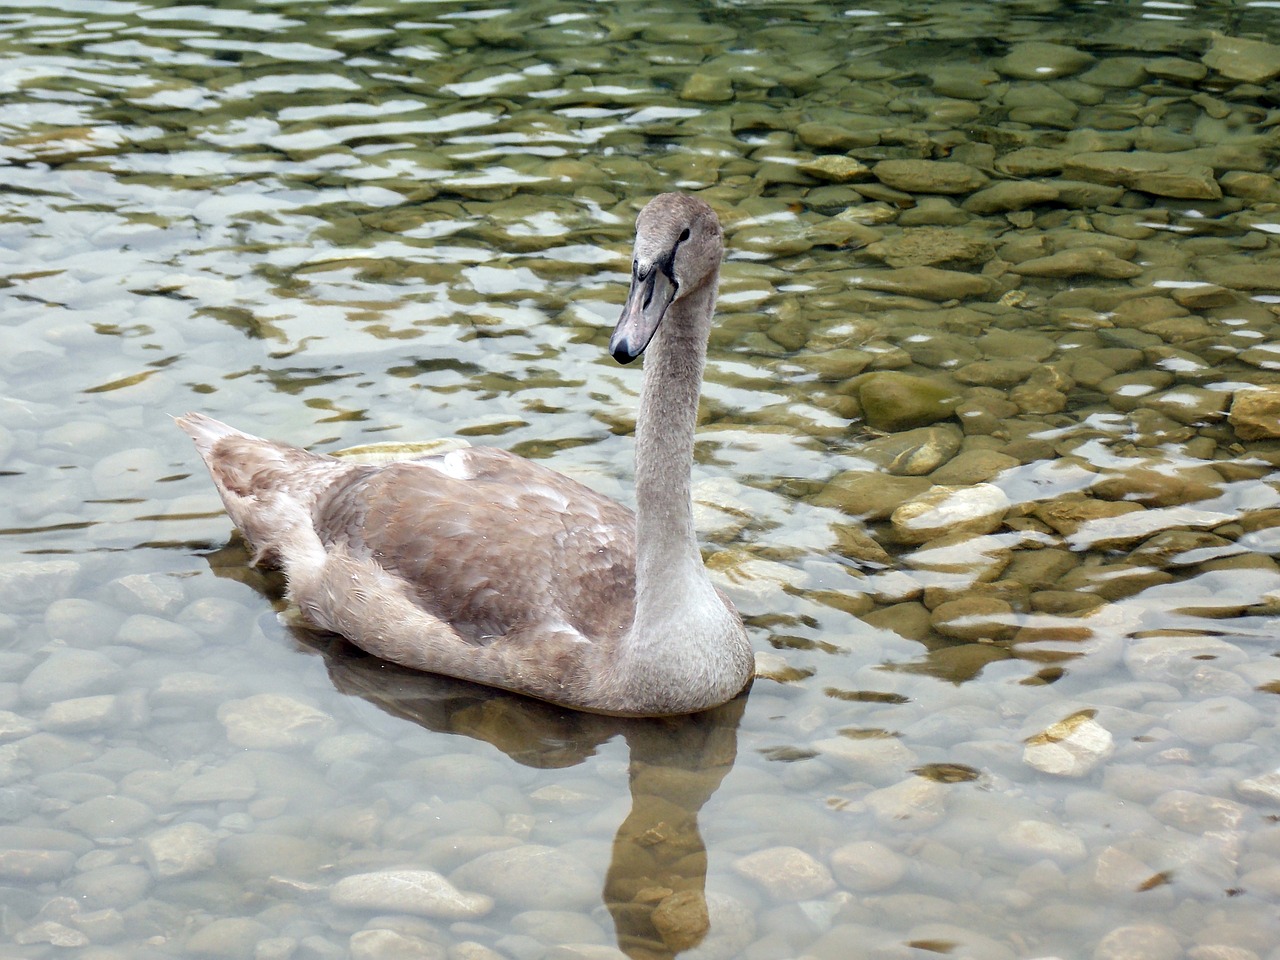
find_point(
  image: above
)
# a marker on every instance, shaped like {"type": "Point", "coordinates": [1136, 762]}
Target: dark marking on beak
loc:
{"type": "Point", "coordinates": [652, 290]}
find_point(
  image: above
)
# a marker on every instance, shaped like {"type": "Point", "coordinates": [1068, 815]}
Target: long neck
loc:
{"type": "Point", "coordinates": [666, 543]}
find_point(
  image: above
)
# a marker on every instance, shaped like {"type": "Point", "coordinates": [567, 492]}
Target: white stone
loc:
{"type": "Point", "coordinates": [422, 892]}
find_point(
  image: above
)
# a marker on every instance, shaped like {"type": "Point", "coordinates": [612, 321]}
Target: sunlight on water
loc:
{"type": "Point", "coordinates": [986, 459]}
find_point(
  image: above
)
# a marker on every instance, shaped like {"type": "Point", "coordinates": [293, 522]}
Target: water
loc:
{"type": "Point", "coordinates": [1040, 722]}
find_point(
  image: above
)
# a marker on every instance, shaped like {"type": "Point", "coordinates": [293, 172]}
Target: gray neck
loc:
{"type": "Point", "coordinates": [666, 543]}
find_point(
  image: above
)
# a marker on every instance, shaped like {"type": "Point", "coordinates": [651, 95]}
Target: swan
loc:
{"type": "Point", "coordinates": [482, 565]}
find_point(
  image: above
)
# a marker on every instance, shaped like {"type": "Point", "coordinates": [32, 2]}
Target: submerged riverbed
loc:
{"type": "Point", "coordinates": [987, 461]}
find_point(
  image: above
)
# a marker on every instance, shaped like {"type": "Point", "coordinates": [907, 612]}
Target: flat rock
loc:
{"type": "Point", "coordinates": [1037, 60]}
{"type": "Point", "coordinates": [869, 494]}
{"type": "Point", "coordinates": [1072, 747]}
{"type": "Point", "coordinates": [1033, 840]}
{"type": "Point", "coordinates": [928, 283]}
{"type": "Point", "coordinates": [835, 168]}
{"type": "Point", "coordinates": [68, 673]}
{"type": "Point", "coordinates": [271, 720]}
{"type": "Point", "coordinates": [900, 401]}
{"type": "Point", "coordinates": [1255, 413]}
{"type": "Point", "coordinates": [929, 176]}
{"type": "Point", "coordinates": [180, 850]}
{"type": "Point", "coordinates": [1164, 175]}
{"type": "Point", "coordinates": [33, 583]}
{"type": "Point", "coordinates": [931, 246]}
{"type": "Point", "coordinates": [866, 866]}
{"type": "Point", "coordinates": [914, 453]}
{"type": "Point", "coordinates": [1239, 58]}
{"type": "Point", "coordinates": [786, 873]}
{"type": "Point", "coordinates": [1076, 262]}
{"type": "Point", "coordinates": [421, 892]}
{"type": "Point", "coordinates": [1006, 195]}
{"type": "Point", "coordinates": [533, 877]}
{"type": "Point", "coordinates": [950, 510]}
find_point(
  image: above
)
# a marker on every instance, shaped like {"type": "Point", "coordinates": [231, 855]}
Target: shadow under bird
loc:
{"type": "Point", "coordinates": [481, 565]}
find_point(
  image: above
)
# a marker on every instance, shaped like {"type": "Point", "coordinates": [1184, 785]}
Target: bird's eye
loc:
{"type": "Point", "coordinates": [684, 235]}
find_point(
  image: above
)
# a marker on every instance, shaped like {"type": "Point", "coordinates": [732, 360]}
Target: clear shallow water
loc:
{"type": "Point", "coordinates": [1042, 724]}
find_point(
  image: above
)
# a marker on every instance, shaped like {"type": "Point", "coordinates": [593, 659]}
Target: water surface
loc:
{"type": "Point", "coordinates": [987, 461]}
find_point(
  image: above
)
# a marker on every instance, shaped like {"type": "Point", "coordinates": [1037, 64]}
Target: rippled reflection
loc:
{"type": "Point", "coordinates": [987, 459]}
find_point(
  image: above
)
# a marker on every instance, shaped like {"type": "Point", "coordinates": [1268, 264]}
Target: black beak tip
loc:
{"type": "Point", "coordinates": [621, 350]}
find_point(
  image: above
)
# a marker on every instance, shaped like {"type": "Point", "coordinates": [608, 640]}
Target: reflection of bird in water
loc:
{"type": "Point", "coordinates": [482, 565]}
{"type": "Point", "coordinates": [655, 886]}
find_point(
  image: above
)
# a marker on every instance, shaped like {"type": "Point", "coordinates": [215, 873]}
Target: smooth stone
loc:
{"type": "Point", "coordinates": [1034, 840]}
{"type": "Point", "coordinates": [974, 510]}
{"type": "Point", "coordinates": [81, 714]}
{"type": "Point", "coordinates": [1072, 747]}
{"type": "Point", "coordinates": [916, 803]}
{"type": "Point", "coordinates": [51, 932]}
{"type": "Point", "coordinates": [272, 721]}
{"type": "Point", "coordinates": [32, 583]}
{"type": "Point", "coordinates": [1069, 517]}
{"type": "Point", "coordinates": [14, 726]}
{"type": "Point", "coordinates": [931, 246]}
{"type": "Point", "coordinates": [899, 401]}
{"type": "Point", "coordinates": [392, 945]}
{"type": "Point", "coordinates": [1255, 413]}
{"type": "Point", "coordinates": [1160, 174]}
{"type": "Point", "coordinates": [973, 466]}
{"type": "Point", "coordinates": [975, 618]}
{"type": "Point", "coordinates": [1239, 58]}
{"type": "Point", "coordinates": [1177, 659]}
{"type": "Point", "coordinates": [869, 494]}
{"type": "Point", "coordinates": [1216, 720]}
{"type": "Point", "coordinates": [867, 866]}
{"type": "Point", "coordinates": [875, 758]}
{"type": "Point", "coordinates": [517, 877]}
{"type": "Point", "coordinates": [1198, 812]}
{"type": "Point", "coordinates": [929, 176]}
{"type": "Point", "coordinates": [227, 938]}
{"type": "Point", "coordinates": [913, 453]}
{"type": "Point", "coordinates": [835, 169]}
{"type": "Point", "coordinates": [1078, 261]}
{"type": "Point", "coordinates": [786, 873]}
{"type": "Point", "coordinates": [156, 633]}
{"type": "Point", "coordinates": [229, 782]}
{"type": "Point", "coordinates": [681, 919]}
{"type": "Point", "coordinates": [80, 622]}
{"type": "Point", "coordinates": [68, 673]}
{"type": "Point", "coordinates": [119, 886]}
{"type": "Point", "coordinates": [1143, 941]}
{"type": "Point", "coordinates": [1261, 789]}
{"type": "Point", "coordinates": [108, 816]}
{"type": "Point", "coordinates": [252, 856]}
{"type": "Point", "coordinates": [929, 283]}
{"type": "Point", "coordinates": [35, 866]}
{"type": "Point", "coordinates": [150, 593]}
{"type": "Point", "coordinates": [1243, 275]}
{"type": "Point", "coordinates": [1006, 195]}
{"type": "Point", "coordinates": [180, 850]}
{"type": "Point", "coordinates": [1038, 60]}
{"type": "Point", "coordinates": [421, 892]}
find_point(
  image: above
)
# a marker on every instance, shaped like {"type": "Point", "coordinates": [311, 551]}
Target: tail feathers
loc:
{"type": "Point", "coordinates": [267, 488]}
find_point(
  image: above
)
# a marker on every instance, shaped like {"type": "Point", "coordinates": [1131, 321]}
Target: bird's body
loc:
{"type": "Point", "coordinates": [482, 565]}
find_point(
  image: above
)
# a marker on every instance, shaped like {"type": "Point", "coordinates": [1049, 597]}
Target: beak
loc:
{"type": "Point", "coordinates": [651, 293]}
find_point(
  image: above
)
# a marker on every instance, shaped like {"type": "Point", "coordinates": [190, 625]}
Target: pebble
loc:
{"type": "Point", "coordinates": [180, 850]}
{"type": "Point", "coordinates": [272, 721]}
{"type": "Point", "coordinates": [421, 892]}
{"type": "Point", "coordinates": [900, 401]}
{"type": "Point", "coordinates": [929, 176]}
{"type": "Point", "coordinates": [518, 875]}
{"type": "Point", "coordinates": [68, 673]}
{"type": "Point", "coordinates": [1255, 413]}
{"type": "Point", "coordinates": [1072, 747]}
{"type": "Point", "coordinates": [942, 509]}
{"type": "Point", "coordinates": [867, 866]}
{"type": "Point", "coordinates": [786, 873]}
